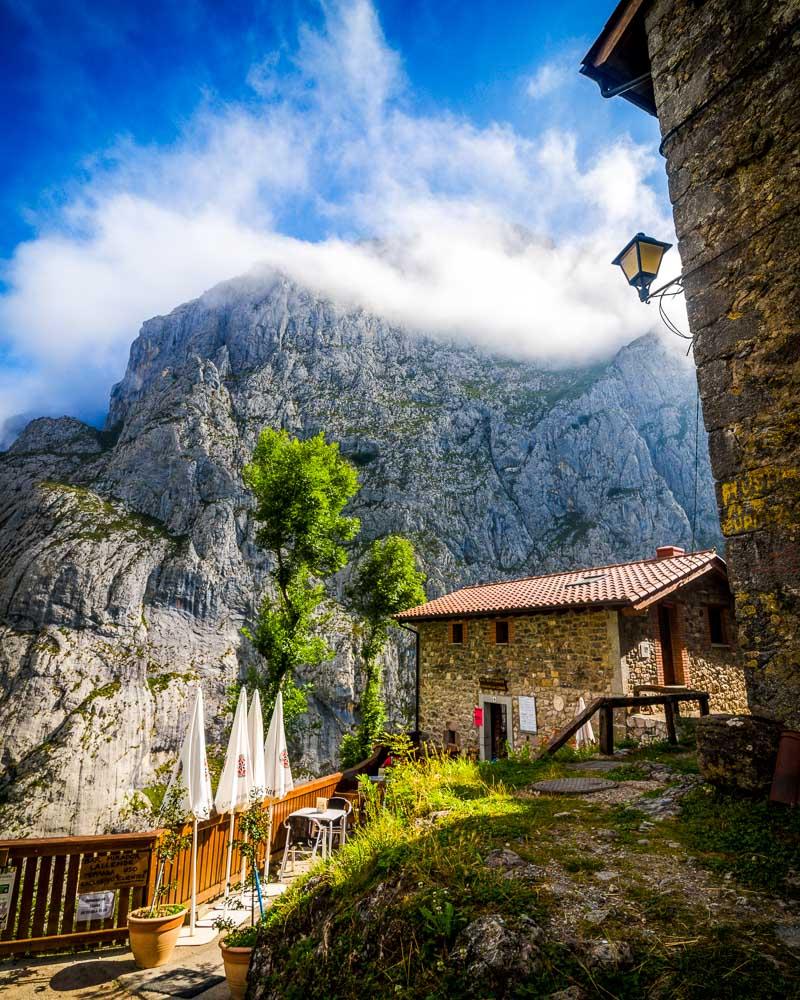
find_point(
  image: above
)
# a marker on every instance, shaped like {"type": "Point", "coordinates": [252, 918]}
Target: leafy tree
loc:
{"type": "Point", "coordinates": [387, 582]}
{"type": "Point", "coordinates": [301, 489]}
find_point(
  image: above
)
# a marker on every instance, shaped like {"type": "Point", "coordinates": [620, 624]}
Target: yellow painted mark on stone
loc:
{"type": "Point", "coordinates": [748, 503]}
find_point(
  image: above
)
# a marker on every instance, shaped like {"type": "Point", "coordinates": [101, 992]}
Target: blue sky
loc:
{"type": "Point", "coordinates": [154, 149]}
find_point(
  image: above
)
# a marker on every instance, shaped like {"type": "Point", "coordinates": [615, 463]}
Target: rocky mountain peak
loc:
{"type": "Point", "coordinates": [127, 557]}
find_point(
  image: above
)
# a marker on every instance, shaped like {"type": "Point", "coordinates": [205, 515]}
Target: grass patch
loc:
{"type": "Point", "coordinates": [756, 841]}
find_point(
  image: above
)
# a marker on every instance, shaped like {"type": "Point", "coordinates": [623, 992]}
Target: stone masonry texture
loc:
{"type": "Point", "coordinates": [726, 84]}
{"type": "Point", "coordinates": [704, 666]}
{"type": "Point", "coordinates": [556, 657]}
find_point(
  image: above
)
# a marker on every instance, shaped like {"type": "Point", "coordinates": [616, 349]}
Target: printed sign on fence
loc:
{"type": "Point", "coordinates": [7, 880]}
{"type": "Point", "coordinates": [95, 906]}
{"type": "Point", "coordinates": [115, 870]}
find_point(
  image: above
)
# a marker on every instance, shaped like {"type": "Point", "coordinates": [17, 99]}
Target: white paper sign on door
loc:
{"type": "Point", "coordinates": [7, 880]}
{"type": "Point", "coordinates": [527, 715]}
{"type": "Point", "coordinates": [95, 905]}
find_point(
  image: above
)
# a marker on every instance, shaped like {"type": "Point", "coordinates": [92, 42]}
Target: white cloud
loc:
{"type": "Point", "coordinates": [547, 79]}
{"type": "Point", "coordinates": [435, 223]}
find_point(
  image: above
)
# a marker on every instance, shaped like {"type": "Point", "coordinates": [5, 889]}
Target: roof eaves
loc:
{"type": "Point", "coordinates": [515, 610]}
{"type": "Point", "coordinates": [620, 56]}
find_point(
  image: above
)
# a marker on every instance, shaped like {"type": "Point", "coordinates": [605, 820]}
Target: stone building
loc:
{"type": "Point", "coordinates": [724, 80]}
{"type": "Point", "coordinates": [507, 662]}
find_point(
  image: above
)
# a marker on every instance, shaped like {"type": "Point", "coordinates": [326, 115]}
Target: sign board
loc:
{"type": "Point", "coordinates": [477, 716]}
{"type": "Point", "coordinates": [493, 683]}
{"type": "Point", "coordinates": [95, 906]}
{"type": "Point", "coordinates": [527, 714]}
{"type": "Point", "coordinates": [7, 880]}
{"type": "Point", "coordinates": [113, 870]}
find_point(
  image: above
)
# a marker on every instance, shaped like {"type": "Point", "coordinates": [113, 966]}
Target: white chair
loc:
{"type": "Point", "coordinates": [339, 829]}
{"type": "Point", "coordinates": [304, 836]}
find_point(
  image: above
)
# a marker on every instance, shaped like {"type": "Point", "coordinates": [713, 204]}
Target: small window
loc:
{"type": "Point", "coordinates": [457, 632]}
{"type": "Point", "coordinates": [501, 633]}
{"type": "Point", "coordinates": [717, 626]}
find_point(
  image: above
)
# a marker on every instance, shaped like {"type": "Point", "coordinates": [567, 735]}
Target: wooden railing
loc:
{"type": "Point", "coordinates": [606, 706]}
{"type": "Point", "coordinates": [43, 910]}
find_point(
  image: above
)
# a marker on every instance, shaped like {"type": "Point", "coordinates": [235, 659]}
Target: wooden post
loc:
{"type": "Point", "coordinates": [669, 718]}
{"type": "Point", "coordinates": [607, 730]}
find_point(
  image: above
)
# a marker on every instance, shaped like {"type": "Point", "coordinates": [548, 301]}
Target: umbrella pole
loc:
{"type": "Point", "coordinates": [193, 914]}
{"type": "Point", "coordinates": [243, 873]}
{"type": "Point", "coordinates": [230, 858]}
{"type": "Point", "coordinates": [269, 846]}
{"type": "Point", "coordinates": [258, 889]}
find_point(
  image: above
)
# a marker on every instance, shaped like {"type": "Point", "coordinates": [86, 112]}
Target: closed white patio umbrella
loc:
{"type": "Point", "coordinates": [585, 735]}
{"type": "Point", "coordinates": [277, 770]}
{"type": "Point", "coordinates": [255, 735]}
{"type": "Point", "coordinates": [236, 780]}
{"type": "Point", "coordinates": [192, 777]}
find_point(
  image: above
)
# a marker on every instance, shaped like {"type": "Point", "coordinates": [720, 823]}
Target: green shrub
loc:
{"type": "Point", "coordinates": [757, 841]}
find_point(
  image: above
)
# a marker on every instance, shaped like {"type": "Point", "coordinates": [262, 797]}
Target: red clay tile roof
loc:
{"type": "Point", "coordinates": [633, 584]}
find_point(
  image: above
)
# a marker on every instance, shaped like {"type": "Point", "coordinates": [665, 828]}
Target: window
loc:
{"type": "Point", "coordinates": [457, 632]}
{"type": "Point", "coordinates": [501, 636]}
{"type": "Point", "coordinates": [717, 626]}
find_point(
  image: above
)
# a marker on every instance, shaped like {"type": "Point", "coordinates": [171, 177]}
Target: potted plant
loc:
{"type": "Point", "coordinates": [237, 947]}
{"type": "Point", "coordinates": [153, 930]}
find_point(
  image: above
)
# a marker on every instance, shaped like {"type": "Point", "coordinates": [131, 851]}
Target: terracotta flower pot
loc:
{"type": "Point", "coordinates": [153, 938]}
{"type": "Point", "coordinates": [237, 962]}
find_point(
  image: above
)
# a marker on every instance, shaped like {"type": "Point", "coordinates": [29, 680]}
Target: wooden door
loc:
{"type": "Point", "coordinates": [495, 730]}
{"type": "Point", "coordinates": [665, 637]}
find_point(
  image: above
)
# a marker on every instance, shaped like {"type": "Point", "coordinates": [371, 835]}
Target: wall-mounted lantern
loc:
{"type": "Point", "coordinates": [640, 261]}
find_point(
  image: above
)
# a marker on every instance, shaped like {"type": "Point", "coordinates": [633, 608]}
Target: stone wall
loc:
{"type": "Point", "coordinates": [557, 657]}
{"type": "Point", "coordinates": [704, 666]}
{"type": "Point", "coordinates": [725, 78]}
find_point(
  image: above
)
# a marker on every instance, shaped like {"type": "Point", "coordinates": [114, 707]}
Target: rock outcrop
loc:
{"type": "Point", "coordinates": [738, 752]}
{"type": "Point", "coordinates": [127, 557]}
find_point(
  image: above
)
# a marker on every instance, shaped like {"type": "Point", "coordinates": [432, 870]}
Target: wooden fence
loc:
{"type": "Point", "coordinates": [52, 872]}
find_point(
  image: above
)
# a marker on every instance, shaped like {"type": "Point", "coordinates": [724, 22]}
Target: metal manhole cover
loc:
{"type": "Point", "coordinates": [572, 786]}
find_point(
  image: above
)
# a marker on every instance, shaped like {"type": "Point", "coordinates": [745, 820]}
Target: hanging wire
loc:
{"type": "Point", "coordinates": [696, 463]}
{"type": "Point", "coordinates": [670, 291]}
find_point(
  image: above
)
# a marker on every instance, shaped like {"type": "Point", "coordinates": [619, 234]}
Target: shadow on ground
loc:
{"type": "Point", "coordinates": [83, 975]}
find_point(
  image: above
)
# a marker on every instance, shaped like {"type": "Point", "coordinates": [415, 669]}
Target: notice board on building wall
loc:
{"type": "Point", "coordinates": [527, 714]}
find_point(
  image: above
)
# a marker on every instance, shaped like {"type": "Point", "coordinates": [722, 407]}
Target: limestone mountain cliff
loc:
{"type": "Point", "coordinates": [127, 560]}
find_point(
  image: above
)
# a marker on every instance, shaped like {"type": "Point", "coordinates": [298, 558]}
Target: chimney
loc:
{"type": "Point", "coordinates": [668, 551]}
